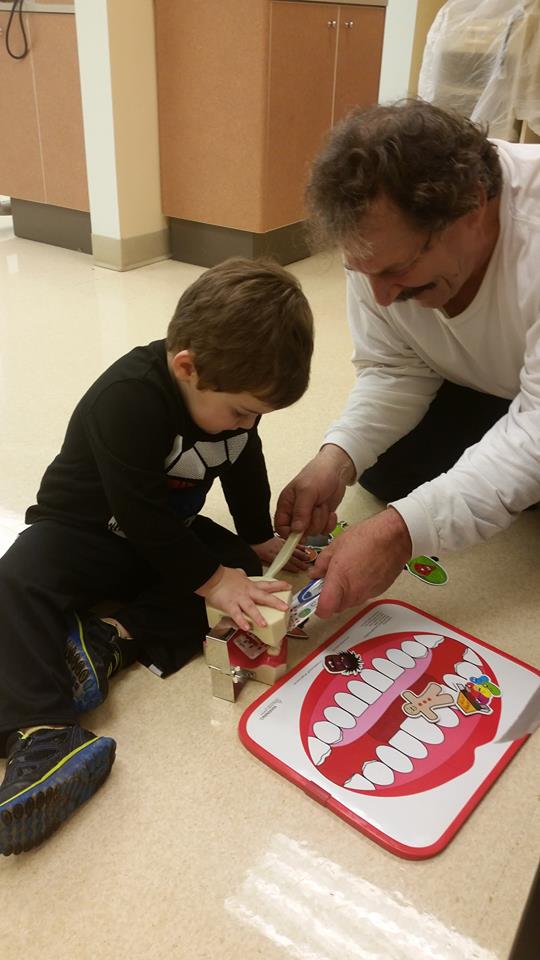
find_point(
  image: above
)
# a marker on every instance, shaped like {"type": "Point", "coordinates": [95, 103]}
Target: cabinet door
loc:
{"type": "Point", "coordinates": [212, 73]}
{"type": "Point", "coordinates": [21, 169]}
{"type": "Point", "coordinates": [360, 41]}
{"type": "Point", "coordinates": [58, 98]}
{"type": "Point", "coordinates": [42, 156]}
{"type": "Point", "coordinates": [301, 75]}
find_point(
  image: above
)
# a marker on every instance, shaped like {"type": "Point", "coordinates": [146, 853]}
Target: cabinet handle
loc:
{"type": "Point", "coordinates": [332, 24]}
{"type": "Point", "coordinates": [349, 24]}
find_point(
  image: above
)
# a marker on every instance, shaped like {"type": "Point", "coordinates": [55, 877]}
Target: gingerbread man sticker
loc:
{"type": "Point", "coordinates": [426, 703]}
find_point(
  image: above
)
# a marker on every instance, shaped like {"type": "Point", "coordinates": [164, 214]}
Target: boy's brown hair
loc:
{"type": "Point", "coordinates": [249, 328]}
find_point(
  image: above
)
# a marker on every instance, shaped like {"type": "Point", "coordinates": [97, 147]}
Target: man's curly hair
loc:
{"type": "Point", "coordinates": [429, 162]}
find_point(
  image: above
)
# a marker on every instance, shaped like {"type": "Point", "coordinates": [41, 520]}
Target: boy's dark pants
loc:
{"type": "Point", "coordinates": [53, 569]}
{"type": "Point", "coordinates": [457, 418]}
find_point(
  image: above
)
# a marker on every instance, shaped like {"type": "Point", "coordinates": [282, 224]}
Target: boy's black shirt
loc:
{"type": "Point", "coordinates": [133, 461]}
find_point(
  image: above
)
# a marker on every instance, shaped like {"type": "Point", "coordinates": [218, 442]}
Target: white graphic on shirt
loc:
{"type": "Point", "coordinates": [212, 454]}
{"type": "Point", "coordinates": [175, 452]}
{"type": "Point", "coordinates": [189, 466]}
{"type": "Point", "coordinates": [193, 464]}
{"type": "Point", "coordinates": [114, 527]}
{"type": "Point", "coordinates": [235, 445]}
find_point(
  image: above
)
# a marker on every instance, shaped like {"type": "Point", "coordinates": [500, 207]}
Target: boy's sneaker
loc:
{"type": "Point", "coordinates": [93, 655]}
{"type": "Point", "coordinates": [49, 774]}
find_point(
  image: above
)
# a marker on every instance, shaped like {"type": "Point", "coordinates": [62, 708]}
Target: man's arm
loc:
{"type": "Point", "coordinates": [393, 387]}
{"type": "Point", "coordinates": [392, 391]}
{"type": "Point", "coordinates": [491, 483]}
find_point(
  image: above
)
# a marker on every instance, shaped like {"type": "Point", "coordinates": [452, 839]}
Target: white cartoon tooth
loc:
{"type": "Point", "coordinates": [378, 773]}
{"type": "Point", "coordinates": [447, 717]}
{"type": "Point", "coordinates": [430, 639]}
{"type": "Point", "coordinates": [423, 730]}
{"type": "Point", "coordinates": [409, 745]}
{"type": "Point", "coordinates": [402, 659]}
{"type": "Point", "coordinates": [350, 703]}
{"type": "Point", "coordinates": [394, 758]}
{"type": "Point", "coordinates": [472, 657]}
{"type": "Point", "coordinates": [318, 750]}
{"type": "Point", "coordinates": [455, 683]}
{"type": "Point", "coordinates": [466, 670]}
{"type": "Point", "coordinates": [358, 782]}
{"type": "Point", "coordinates": [327, 732]}
{"type": "Point", "coordinates": [340, 717]}
{"type": "Point", "coordinates": [386, 667]}
{"type": "Point", "coordinates": [364, 691]}
{"type": "Point", "coordinates": [414, 649]}
{"type": "Point", "coordinates": [376, 679]}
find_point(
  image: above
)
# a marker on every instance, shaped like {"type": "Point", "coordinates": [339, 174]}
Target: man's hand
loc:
{"type": "Point", "coordinates": [233, 592]}
{"type": "Point", "coordinates": [309, 501]}
{"type": "Point", "coordinates": [362, 562]}
{"type": "Point", "coordinates": [268, 550]}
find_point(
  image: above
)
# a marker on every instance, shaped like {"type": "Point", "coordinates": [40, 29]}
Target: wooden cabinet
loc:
{"type": "Point", "coordinates": [324, 59]}
{"type": "Point", "coordinates": [43, 157]}
{"type": "Point", "coordinates": [247, 90]}
{"type": "Point", "coordinates": [359, 53]}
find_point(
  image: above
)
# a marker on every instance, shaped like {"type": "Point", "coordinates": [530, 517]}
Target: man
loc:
{"type": "Point", "coordinates": [440, 233]}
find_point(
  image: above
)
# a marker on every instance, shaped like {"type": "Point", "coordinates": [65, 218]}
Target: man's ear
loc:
{"type": "Point", "coordinates": [183, 367]}
{"type": "Point", "coordinates": [478, 213]}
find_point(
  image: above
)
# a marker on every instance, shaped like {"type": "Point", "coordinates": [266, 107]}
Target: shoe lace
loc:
{"type": "Point", "coordinates": [30, 753]}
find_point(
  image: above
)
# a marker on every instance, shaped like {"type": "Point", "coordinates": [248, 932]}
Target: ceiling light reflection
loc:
{"type": "Point", "coordinates": [315, 910]}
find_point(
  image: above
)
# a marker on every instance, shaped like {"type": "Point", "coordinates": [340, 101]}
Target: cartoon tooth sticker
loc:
{"type": "Point", "coordinates": [476, 695]}
{"type": "Point", "coordinates": [427, 569]}
{"type": "Point", "coordinates": [347, 662]}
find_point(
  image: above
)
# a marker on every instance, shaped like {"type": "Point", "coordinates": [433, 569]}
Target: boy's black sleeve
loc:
{"type": "Point", "coordinates": [247, 492]}
{"type": "Point", "coordinates": [126, 427]}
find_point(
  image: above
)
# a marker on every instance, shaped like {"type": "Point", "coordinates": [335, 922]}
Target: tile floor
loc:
{"type": "Point", "coordinates": [193, 849]}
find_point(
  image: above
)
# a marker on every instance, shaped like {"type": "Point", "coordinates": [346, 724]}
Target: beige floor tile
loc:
{"type": "Point", "coordinates": [193, 849]}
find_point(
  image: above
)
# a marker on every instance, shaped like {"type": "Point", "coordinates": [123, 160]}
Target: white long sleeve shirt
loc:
{"type": "Point", "coordinates": [402, 353]}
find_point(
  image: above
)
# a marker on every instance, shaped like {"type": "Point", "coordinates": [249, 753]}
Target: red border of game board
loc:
{"type": "Point", "coordinates": [314, 791]}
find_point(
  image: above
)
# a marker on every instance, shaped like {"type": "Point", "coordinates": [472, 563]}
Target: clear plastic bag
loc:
{"type": "Point", "coordinates": [482, 58]}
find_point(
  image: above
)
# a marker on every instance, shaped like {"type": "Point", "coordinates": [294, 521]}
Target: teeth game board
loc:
{"type": "Point", "coordinates": [397, 724]}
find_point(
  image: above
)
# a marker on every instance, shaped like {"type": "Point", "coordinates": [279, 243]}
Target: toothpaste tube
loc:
{"type": "Point", "coordinates": [304, 603]}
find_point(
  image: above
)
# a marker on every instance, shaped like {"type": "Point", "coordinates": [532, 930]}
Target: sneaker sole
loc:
{"type": "Point", "coordinates": [86, 692]}
{"type": "Point", "coordinates": [32, 815]}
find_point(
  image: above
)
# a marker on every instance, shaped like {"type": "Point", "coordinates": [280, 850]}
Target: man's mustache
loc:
{"type": "Point", "coordinates": [411, 292]}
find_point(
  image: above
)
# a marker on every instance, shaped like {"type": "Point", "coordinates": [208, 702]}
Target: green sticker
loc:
{"type": "Point", "coordinates": [340, 526]}
{"type": "Point", "coordinates": [427, 569]}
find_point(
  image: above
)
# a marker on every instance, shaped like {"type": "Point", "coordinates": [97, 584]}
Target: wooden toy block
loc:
{"type": "Point", "coordinates": [235, 657]}
{"type": "Point", "coordinates": [277, 620]}
{"type": "Point", "coordinates": [247, 653]}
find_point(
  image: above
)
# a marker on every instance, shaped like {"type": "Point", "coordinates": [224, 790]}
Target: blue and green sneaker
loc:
{"type": "Point", "coordinates": [49, 773]}
{"type": "Point", "coordinates": [93, 655]}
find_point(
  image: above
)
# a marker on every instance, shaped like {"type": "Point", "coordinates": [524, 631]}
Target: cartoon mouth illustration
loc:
{"type": "Point", "coordinates": [356, 731]}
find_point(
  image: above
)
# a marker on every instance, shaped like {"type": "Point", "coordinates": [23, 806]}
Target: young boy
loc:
{"type": "Point", "coordinates": [117, 520]}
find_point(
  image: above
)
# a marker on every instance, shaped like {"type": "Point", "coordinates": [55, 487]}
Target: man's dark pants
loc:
{"type": "Point", "coordinates": [457, 418]}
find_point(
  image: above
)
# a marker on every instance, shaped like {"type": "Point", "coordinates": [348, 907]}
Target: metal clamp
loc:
{"type": "Point", "coordinates": [227, 680]}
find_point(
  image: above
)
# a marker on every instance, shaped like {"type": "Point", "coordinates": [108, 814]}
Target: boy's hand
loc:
{"type": "Point", "coordinates": [270, 548]}
{"type": "Point", "coordinates": [233, 592]}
